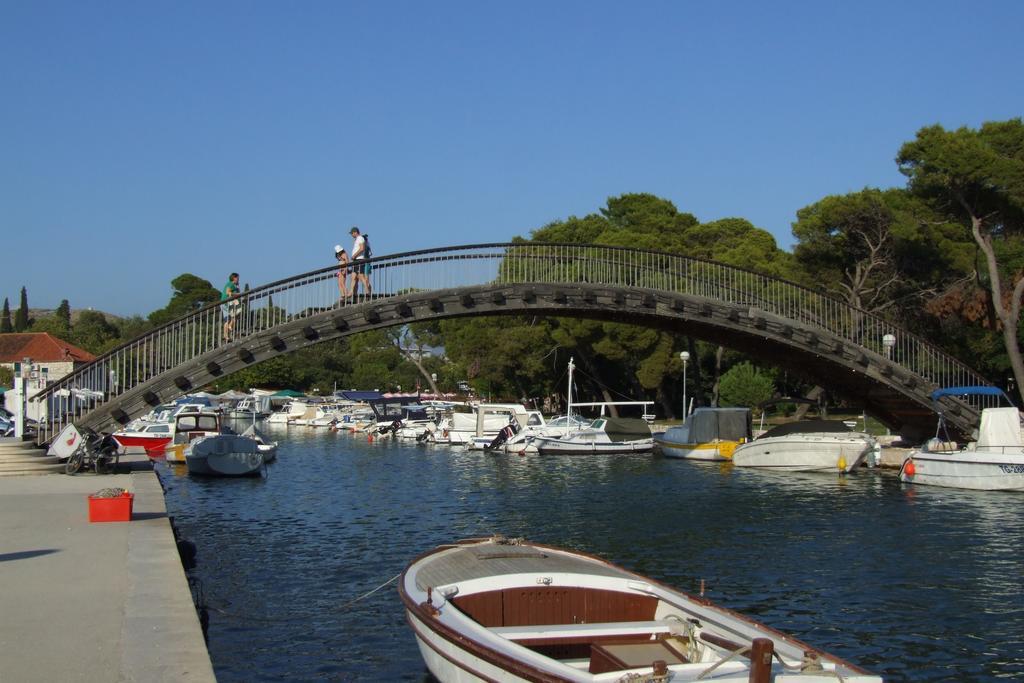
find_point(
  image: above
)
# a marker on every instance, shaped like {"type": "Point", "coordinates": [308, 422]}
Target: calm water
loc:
{"type": "Point", "coordinates": [914, 583]}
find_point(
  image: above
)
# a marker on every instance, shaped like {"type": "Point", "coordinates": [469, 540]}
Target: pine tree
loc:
{"type": "Point", "coordinates": [21, 322]}
{"type": "Point", "coordinates": [5, 318]}
{"type": "Point", "coordinates": [63, 314]}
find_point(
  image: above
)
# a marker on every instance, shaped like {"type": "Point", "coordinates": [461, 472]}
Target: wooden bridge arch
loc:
{"type": "Point", "coordinates": [783, 323]}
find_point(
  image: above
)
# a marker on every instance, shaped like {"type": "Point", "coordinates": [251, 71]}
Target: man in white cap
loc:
{"type": "Point", "coordinates": [359, 270]}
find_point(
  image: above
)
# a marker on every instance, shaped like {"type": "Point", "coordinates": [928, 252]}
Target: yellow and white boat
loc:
{"type": "Point", "coordinates": [707, 434]}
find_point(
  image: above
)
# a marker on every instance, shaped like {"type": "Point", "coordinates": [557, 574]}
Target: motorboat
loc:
{"type": "Point", "coordinates": [152, 437]}
{"type": "Point", "coordinates": [485, 421]}
{"type": "Point", "coordinates": [291, 412]}
{"type": "Point", "coordinates": [707, 434]}
{"type": "Point", "coordinates": [806, 446]}
{"type": "Point", "coordinates": [252, 407]}
{"type": "Point", "coordinates": [189, 427]}
{"type": "Point", "coordinates": [224, 455]}
{"type": "Point", "coordinates": [508, 610]}
{"type": "Point", "coordinates": [604, 435]}
{"type": "Point", "coordinates": [994, 462]}
{"type": "Point", "coordinates": [266, 447]}
{"type": "Point", "coordinates": [155, 430]}
{"type": "Point", "coordinates": [520, 425]}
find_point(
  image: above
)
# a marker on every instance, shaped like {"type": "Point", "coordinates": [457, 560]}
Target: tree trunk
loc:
{"type": "Point", "coordinates": [1009, 317]}
{"type": "Point", "coordinates": [419, 366]}
{"type": "Point", "coordinates": [719, 352]}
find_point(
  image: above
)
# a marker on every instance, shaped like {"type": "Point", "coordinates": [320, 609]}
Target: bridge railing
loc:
{"type": "Point", "coordinates": [201, 332]}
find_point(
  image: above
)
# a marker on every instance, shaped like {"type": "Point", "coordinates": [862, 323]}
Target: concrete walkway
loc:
{"type": "Point", "coordinates": [93, 602]}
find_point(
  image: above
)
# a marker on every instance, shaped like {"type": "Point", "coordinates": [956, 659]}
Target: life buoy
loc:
{"type": "Point", "coordinates": [909, 469]}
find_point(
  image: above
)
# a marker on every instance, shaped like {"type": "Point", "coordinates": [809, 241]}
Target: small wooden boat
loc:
{"type": "Point", "coordinates": [224, 455]}
{"type": "Point", "coordinates": [507, 610]}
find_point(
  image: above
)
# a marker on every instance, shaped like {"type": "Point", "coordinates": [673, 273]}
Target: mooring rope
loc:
{"type": "Point", "coordinates": [294, 617]}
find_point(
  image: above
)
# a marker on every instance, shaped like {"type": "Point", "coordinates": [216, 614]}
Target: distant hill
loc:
{"type": "Point", "coordinates": [37, 313]}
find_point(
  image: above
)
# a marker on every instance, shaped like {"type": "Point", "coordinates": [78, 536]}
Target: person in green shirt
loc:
{"type": "Point", "coordinates": [230, 309]}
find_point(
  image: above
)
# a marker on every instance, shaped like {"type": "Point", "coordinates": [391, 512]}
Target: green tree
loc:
{"type": "Point", "coordinates": [745, 385]}
{"type": "Point", "coordinates": [976, 179]}
{"type": "Point", "coordinates": [189, 292]}
{"type": "Point", "coordinates": [94, 333]}
{"type": "Point", "coordinates": [129, 328]}
{"type": "Point", "coordinates": [5, 318]}
{"type": "Point", "coordinates": [63, 313]}
{"type": "Point", "coordinates": [877, 248]}
{"type": "Point", "coordinates": [6, 377]}
{"type": "Point", "coordinates": [21, 321]}
{"type": "Point", "coordinates": [50, 324]}
{"type": "Point", "coordinates": [504, 357]}
{"type": "Point", "coordinates": [738, 242]}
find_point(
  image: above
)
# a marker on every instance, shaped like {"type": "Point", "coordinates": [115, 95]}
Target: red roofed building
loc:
{"type": "Point", "coordinates": [51, 357]}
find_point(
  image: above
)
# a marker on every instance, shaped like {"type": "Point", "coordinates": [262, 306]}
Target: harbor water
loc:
{"type": "Point", "coordinates": [913, 583]}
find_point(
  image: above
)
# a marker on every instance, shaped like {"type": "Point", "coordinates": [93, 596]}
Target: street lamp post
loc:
{"type": "Point", "coordinates": [684, 356]}
{"type": "Point", "coordinates": [888, 342]}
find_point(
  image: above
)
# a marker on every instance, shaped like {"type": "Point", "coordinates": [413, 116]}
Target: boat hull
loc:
{"type": "Point", "coordinates": [809, 453]}
{"type": "Point", "coordinates": [224, 455]}
{"type": "Point", "coordinates": [978, 470]}
{"type": "Point", "coordinates": [717, 451]}
{"type": "Point", "coordinates": [147, 443]}
{"type": "Point", "coordinates": [547, 446]}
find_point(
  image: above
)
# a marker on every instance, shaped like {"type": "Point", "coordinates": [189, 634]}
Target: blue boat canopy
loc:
{"type": "Point", "coordinates": [968, 391]}
{"type": "Point", "coordinates": [359, 395]}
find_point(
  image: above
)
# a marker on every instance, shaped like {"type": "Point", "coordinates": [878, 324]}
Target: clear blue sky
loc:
{"type": "Point", "coordinates": [141, 140]}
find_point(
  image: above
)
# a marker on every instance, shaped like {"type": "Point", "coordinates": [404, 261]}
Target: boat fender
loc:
{"type": "Point", "coordinates": [909, 469]}
{"type": "Point", "coordinates": [841, 464]}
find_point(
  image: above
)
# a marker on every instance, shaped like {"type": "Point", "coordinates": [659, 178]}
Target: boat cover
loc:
{"type": "Point", "coordinates": [806, 427]}
{"type": "Point", "coordinates": [626, 429]}
{"type": "Point", "coordinates": [999, 427]}
{"type": "Point", "coordinates": [710, 424]}
{"type": "Point", "coordinates": [967, 391]}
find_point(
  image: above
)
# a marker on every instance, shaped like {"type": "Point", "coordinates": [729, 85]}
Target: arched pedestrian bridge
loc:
{"type": "Point", "coordinates": [823, 339]}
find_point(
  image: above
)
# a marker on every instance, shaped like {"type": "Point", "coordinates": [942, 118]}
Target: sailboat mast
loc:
{"type": "Point", "coordinates": [568, 410]}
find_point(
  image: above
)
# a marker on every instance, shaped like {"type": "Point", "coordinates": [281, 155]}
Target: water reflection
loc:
{"type": "Point", "coordinates": [916, 584]}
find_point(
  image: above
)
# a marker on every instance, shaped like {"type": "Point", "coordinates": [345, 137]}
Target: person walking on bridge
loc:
{"type": "Point", "coordinates": [360, 271]}
{"type": "Point", "coordinates": [342, 256]}
{"type": "Point", "coordinates": [230, 309]}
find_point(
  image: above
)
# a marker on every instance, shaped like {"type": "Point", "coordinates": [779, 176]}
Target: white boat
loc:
{"type": "Point", "coordinates": [520, 425]}
{"type": "Point", "coordinates": [604, 435]}
{"type": "Point", "coordinates": [485, 421]}
{"type": "Point", "coordinates": [224, 455]}
{"type": "Point", "coordinates": [188, 427]}
{"type": "Point", "coordinates": [806, 446]}
{"type": "Point", "coordinates": [508, 610]}
{"type": "Point", "coordinates": [995, 462]}
{"type": "Point", "coordinates": [292, 411]}
{"type": "Point", "coordinates": [257, 407]}
{"type": "Point", "coordinates": [707, 434]}
{"type": "Point", "coordinates": [266, 447]}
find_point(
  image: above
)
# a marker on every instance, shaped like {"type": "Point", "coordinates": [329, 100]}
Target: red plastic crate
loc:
{"type": "Point", "coordinates": [111, 509]}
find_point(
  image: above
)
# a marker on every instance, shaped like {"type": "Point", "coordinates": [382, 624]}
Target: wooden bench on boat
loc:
{"type": "Point", "coordinates": [559, 633]}
{"type": "Point", "coordinates": [602, 646]}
